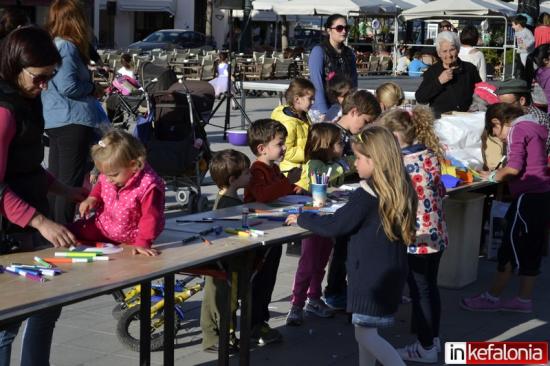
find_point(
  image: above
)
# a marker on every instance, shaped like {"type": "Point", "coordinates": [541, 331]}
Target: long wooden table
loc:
{"type": "Point", "coordinates": [22, 297]}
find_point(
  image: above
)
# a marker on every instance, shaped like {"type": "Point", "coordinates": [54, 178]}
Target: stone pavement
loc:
{"type": "Point", "coordinates": [85, 334]}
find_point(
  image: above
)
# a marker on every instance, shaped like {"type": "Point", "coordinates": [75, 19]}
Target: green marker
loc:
{"type": "Point", "coordinates": [42, 262]}
{"type": "Point", "coordinates": [75, 254]}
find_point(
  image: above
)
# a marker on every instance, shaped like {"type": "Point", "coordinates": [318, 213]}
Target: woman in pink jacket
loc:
{"type": "Point", "coordinates": [128, 198]}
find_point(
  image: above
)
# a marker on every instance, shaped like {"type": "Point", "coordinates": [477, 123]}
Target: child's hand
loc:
{"type": "Point", "coordinates": [93, 178]}
{"type": "Point", "coordinates": [291, 220]}
{"type": "Point", "coordinates": [87, 205]}
{"type": "Point", "coordinates": [150, 252]}
{"type": "Point", "coordinates": [294, 175]}
{"type": "Point", "coordinates": [484, 174]}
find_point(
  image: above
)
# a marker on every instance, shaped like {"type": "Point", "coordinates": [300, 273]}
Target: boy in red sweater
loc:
{"type": "Point", "coordinates": [266, 138]}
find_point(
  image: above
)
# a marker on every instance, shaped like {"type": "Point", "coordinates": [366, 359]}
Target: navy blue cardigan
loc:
{"type": "Point", "coordinates": [377, 267]}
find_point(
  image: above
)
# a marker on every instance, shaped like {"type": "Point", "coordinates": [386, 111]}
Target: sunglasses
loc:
{"type": "Point", "coordinates": [341, 28]}
{"type": "Point", "coordinates": [40, 79]}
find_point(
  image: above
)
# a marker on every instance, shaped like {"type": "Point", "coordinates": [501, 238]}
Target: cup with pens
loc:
{"type": "Point", "coordinates": [319, 185]}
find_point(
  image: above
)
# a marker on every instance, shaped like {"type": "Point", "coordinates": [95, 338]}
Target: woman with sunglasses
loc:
{"type": "Point", "coordinates": [332, 57]}
{"type": "Point", "coordinates": [29, 59]}
{"type": "Point", "coordinates": [70, 106]}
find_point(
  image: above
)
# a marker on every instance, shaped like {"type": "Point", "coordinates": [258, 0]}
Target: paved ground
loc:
{"type": "Point", "coordinates": [85, 334]}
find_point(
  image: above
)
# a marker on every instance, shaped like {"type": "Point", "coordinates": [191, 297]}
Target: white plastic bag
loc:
{"type": "Point", "coordinates": [460, 136]}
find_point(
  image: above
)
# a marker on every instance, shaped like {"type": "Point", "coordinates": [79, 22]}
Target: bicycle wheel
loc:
{"type": "Point", "coordinates": [127, 329]}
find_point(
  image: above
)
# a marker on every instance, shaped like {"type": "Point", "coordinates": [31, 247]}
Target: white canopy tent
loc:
{"type": "Point", "coordinates": [449, 8]}
{"type": "Point", "coordinates": [545, 7]}
{"type": "Point", "coordinates": [317, 7]}
{"type": "Point", "coordinates": [387, 6]}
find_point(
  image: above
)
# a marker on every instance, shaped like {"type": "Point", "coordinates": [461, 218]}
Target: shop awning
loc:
{"type": "Point", "coordinates": [25, 2]}
{"type": "Point", "coordinates": [168, 6]}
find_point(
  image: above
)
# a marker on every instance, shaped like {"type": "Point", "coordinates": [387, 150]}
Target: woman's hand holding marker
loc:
{"type": "Point", "coordinates": [291, 220]}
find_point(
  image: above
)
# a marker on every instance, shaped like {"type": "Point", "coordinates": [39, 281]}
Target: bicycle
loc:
{"type": "Point", "coordinates": [127, 312]}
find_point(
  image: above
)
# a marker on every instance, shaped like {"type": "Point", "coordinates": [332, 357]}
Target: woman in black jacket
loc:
{"type": "Point", "coordinates": [29, 60]}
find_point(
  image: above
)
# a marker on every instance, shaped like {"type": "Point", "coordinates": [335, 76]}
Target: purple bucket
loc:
{"type": "Point", "coordinates": [237, 137]}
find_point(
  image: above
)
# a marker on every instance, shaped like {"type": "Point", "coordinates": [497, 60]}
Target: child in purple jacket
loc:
{"type": "Point", "coordinates": [527, 218]}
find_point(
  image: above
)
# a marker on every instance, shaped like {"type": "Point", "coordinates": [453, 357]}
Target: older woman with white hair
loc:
{"type": "Point", "coordinates": [448, 85]}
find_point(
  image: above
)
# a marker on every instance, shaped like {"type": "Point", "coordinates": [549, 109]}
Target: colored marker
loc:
{"type": "Point", "coordinates": [75, 254]}
{"type": "Point", "coordinates": [29, 266]}
{"type": "Point", "coordinates": [34, 272]}
{"type": "Point", "coordinates": [236, 232]}
{"type": "Point", "coordinates": [42, 262]}
{"type": "Point", "coordinates": [19, 272]}
{"type": "Point", "coordinates": [68, 260]}
{"type": "Point", "coordinates": [48, 272]}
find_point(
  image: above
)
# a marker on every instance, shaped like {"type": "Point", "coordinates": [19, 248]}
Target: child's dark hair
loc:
{"type": "Point", "coordinates": [321, 140]}
{"type": "Point", "coordinates": [505, 113]}
{"type": "Point", "coordinates": [223, 56]}
{"type": "Point", "coordinates": [338, 86]}
{"type": "Point", "coordinates": [364, 101]}
{"type": "Point", "coordinates": [126, 60]}
{"type": "Point", "coordinates": [298, 88]}
{"type": "Point", "coordinates": [415, 126]}
{"type": "Point", "coordinates": [537, 58]}
{"type": "Point", "coordinates": [263, 131]}
{"type": "Point", "coordinates": [520, 19]}
{"type": "Point", "coordinates": [118, 149]}
{"type": "Point", "coordinates": [226, 164]}
{"type": "Point", "coordinates": [469, 35]}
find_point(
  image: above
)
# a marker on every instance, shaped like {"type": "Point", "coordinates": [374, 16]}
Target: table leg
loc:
{"type": "Point", "coordinates": [246, 310]}
{"type": "Point", "coordinates": [225, 316]}
{"type": "Point", "coordinates": [243, 105]}
{"type": "Point", "coordinates": [145, 325]}
{"type": "Point", "coordinates": [169, 319]}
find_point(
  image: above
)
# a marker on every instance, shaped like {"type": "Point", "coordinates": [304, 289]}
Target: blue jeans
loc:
{"type": "Point", "coordinates": [37, 339]}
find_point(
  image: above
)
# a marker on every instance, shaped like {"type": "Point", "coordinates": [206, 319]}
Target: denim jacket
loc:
{"type": "Point", "coordinates": [69, 99]}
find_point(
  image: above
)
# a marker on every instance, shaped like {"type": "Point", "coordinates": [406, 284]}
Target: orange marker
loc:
{"type": "Point", "coordinates": [58, 260]}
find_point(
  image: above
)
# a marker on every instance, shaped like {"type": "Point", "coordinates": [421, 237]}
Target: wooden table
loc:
{"type": "Point", "coordinates": [22, 297]}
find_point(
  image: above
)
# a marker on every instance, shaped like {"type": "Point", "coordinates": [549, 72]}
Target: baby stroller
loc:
{"type": "Point", "coordinates": [177, 145]}
{"type": "Point", "coordinates": [127, 101]}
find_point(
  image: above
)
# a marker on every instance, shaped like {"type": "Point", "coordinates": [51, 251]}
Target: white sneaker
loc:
{"type": "Point", "coordinates": [437, 344]}
{"type": "Point", "coordinates": [416, 353]}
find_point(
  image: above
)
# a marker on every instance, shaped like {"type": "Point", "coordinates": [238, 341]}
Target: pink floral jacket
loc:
{"type": "Point", "coordinates": [425, 171]}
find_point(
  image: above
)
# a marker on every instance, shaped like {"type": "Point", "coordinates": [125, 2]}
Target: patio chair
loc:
{"type": "Point", "coordinates": [384, 64]}
{"type": "Point", "coordinates": [207, 69]}
{"type": "Point", "coordinates": [281, 68]}
{"type": "Point", "coordinates": [373, 64]}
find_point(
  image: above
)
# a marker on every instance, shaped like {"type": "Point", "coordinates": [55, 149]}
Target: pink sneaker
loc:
{"type": "Point", "coordinates": [480, 303]}
{"type": "Point", "coordinates": [517, 305]}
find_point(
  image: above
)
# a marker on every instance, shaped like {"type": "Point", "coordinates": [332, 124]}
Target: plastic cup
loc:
{"type": "Point", "coordinates": [319, 194]}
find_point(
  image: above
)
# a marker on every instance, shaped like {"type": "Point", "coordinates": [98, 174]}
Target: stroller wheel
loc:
{"type": "Point", "coordinates": [182, 197]}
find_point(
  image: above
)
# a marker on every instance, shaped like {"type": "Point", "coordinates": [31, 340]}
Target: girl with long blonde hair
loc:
{"type": "Point", "coordinates": [380, 219]}
{"type": "Point", "coordinates": [421, 153]}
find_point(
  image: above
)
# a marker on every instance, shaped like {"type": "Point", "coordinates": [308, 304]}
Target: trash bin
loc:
{"type": "Point", "coordinates": [464, 214]}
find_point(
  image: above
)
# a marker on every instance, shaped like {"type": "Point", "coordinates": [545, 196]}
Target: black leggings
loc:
{"type": "Point", "coordinates": [426, 302]}
{"type": "Point", "coordinates": [336, 276]}
{"type": "Point", "coordinates": [68, 162]}
{"type": "Point", "coordinates": [264, 283]}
